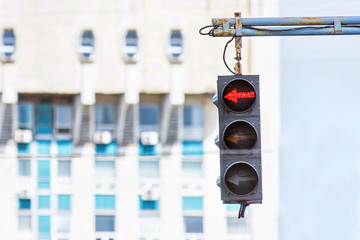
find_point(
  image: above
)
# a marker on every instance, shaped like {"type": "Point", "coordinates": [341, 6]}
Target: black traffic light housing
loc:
{"type": "Point", "coordinates": [238, 101]}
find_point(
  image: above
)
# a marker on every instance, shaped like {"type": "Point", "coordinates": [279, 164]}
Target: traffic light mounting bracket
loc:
{"type": "Point", "coordinates": [239, 27]}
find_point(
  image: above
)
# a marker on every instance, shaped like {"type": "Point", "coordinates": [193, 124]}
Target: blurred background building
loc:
{"type": "Point", "coordinates": [106, 122]}
{"type": "Point", "coordinates": [107, 127]}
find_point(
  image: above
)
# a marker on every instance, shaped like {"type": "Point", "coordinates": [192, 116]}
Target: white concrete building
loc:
{"type": "Point", "coordinates": [106, 122]}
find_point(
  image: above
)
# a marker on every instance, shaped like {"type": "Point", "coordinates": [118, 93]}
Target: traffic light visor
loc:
{"type": "Point", "coordinates": [239, 95]}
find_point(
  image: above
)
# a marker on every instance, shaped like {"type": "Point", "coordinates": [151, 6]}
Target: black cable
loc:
{"type": "Point", "coordinates": [297, 28]}
{"type": "Point", "coordinates": [210, 33]}
{"type": "Point", "coordinates": [224, 55]}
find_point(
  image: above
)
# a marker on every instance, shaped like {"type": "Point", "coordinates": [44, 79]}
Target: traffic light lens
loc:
{"type": "Point", "coordinates": [239, 95]}
{"type": "Point", "coordinates": [240, 135]}
{"type": "Point", "coordinates": [241, 178]}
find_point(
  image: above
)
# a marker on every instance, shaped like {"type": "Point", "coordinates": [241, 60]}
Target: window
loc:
{"type": "Point", "coordinates": [105, 117]}
{"type": "Point", "coordinates": [192, 203]}
{"type": "Point", "coordinates": [24, 167]}
{"type": "Point", "coordinates": [25, 119]}
{"type": "Point", "coordinates": [43, 174]}
{"type": "Point", "coordinates": [148, 204]}
{"type": "Point", "coordinates": [235, 225]}
{"type": "Point", "coordinates": [131, 47]}
{"type": "Point", "coordinates": [149, 169]}
{"type": "Point", "coordinates": [8, 44]}
{"type": "Point", "coordinates": [24, 203]}
{"type": "Point", "coordinates": [193, 224]}
{"type": "Point", "coordinates": [191, 169]}
{"type": "Point", "coordinates": [109, 149]}
{"type": "Point", "coordinates": [64, 168]}
{"type": "Point", "coordinates": [149, 117]}
{"type": "Point", "coordinates": [44, 224]}
{"type": "Point", "coordinates": [63, 119]}
{"type": "Point", "coordinates": [105, 202]}
{"type": "Point", "coordinates": [64, 147]}
{"type": "Point", "coordinates": [87, 46]}
{"type": "Point", "coordinates": [43, 119]}
{"type": "Point", "coordinates": [64, 202]}
{"type": "Point", "coordinates": [193, 122]}
{"type": "Point", "coordinates": [44, 202]}
{"type": "Point", "coordinates": [25, 223]}
{"type": "Point", "coordinates": [232, 208]}
{"type": "Point", "coordinates": [104, 169]}
{"type": "Point", "coordinates": [149, 224]}
{"type": "Point", "coordinates": [175, 50]}
{"type": "Point", "coordinates": [193, 148]}
{"type": "Point", "coordinates": [104, 223]}
{"type": "Point", "coordinates": [63, 223]}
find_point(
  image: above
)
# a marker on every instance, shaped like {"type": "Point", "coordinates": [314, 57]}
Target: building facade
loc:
{"type": "Point", "coordinates": [106, 122]}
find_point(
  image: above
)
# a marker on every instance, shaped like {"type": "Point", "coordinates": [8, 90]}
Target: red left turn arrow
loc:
{"type": "Point", "coordinates": [234, 96]}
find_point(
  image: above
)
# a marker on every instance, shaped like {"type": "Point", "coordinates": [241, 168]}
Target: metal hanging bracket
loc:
{"type": "Point", "coordinates": [239, 27]}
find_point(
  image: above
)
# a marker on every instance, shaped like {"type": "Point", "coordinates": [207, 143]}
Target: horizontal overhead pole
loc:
{"type": "Point", "coordinates": [287, 21]}
{"type": "Point", "coordinates": [246, 32]}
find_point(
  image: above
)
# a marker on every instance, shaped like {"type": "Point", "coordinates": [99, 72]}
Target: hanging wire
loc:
{"type": "Point", "coordinates": [224, 55]}
{"type": "Point", "coordinates": [210, 33]}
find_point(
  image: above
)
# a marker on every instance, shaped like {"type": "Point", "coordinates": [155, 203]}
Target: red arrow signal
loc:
{"type": "Point", "coordinates": [233, 95]}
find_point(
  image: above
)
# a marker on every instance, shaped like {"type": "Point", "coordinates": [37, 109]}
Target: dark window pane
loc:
{"type": "Point", "coordinates": [8, 42]}
{"type": "Point", "coordinates": [149, 115]}
{"type": "Point", "coordinates": [193, 224]}
{"type": "Point", "coordinates": [43, 119]}
{"type": "Point", "coordinates": [105, 116]}
{"type": "Point", "coordinates": [104, 223]}
{"type": "Point", "coordinates": [25, 115]}
{"type": "Point", "coordinates": [24, 203]}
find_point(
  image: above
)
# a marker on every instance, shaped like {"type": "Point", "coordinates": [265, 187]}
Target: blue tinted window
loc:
{"type": "Point", "coordinates": [87, 43]}
{"type": "Point", "coordinates": [105, 169]}
{"type": "Point", "coordinates": [9, 42]}
{"type": "Point", "coordinates": [64, 202]}
{"type": "Point", "coordinates": [232, 207]}
{"type": "Point", "coordinates": [25, 115]}
{"type": "Point", "coordinates": [192, 203]}
{"type": "Point", "coordinates": [65, 147]}
{"type": "Point", "coordinates": [43, 118]}
{"type": "Point", "coordinates": [148, 150]}
{"type": "Point", "coordinates": [131, 43]}
{"type": "Point", "coordinates": [107, 149]}
{"type": "Point", "coordinates": [104, 114]}
{"type": "Point", "coordinates": [149, 115]}
{"type": "Point", "coordinates": [104, 223]}
{"type": "Point", "coordinates": [192, 148]}
{"type": "Point", "coordinates": [44, 202]}
{"type": "Point", "coordinates": [44, 224]}
{"type": "Point", "coordinates": [105, 201]}
{"type": "Point", "coordinates": [63, 116]}
{"type": "Point", "coordinates": [176, 43]}
{"type": "Point", "coordinates": [43, 146]}
{"type": "Point", "coordinates": [24, 167]}
{"type": "Point", "coordinates": [191, 169]}
{"type": "Point", "coordinates": [149, 169]}
{"type": "Point", "coordinates": [43, 174]}
{"type": "Point", "coordinates": [148, 205]}
{"type": "Point", "coordinates": [23, 148]}
{"type": "Point", "coordinates": [24, 203]}
{"type": "Point", "coordinates": [64, 168]}
{"type": "Point", "coordinates": [194, 116]}
{"type": "Point", "coordinates": [193, 224]}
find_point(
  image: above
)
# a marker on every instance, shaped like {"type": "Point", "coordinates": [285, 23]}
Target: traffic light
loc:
{"type": "Point", "coordinates": [238, 101]}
